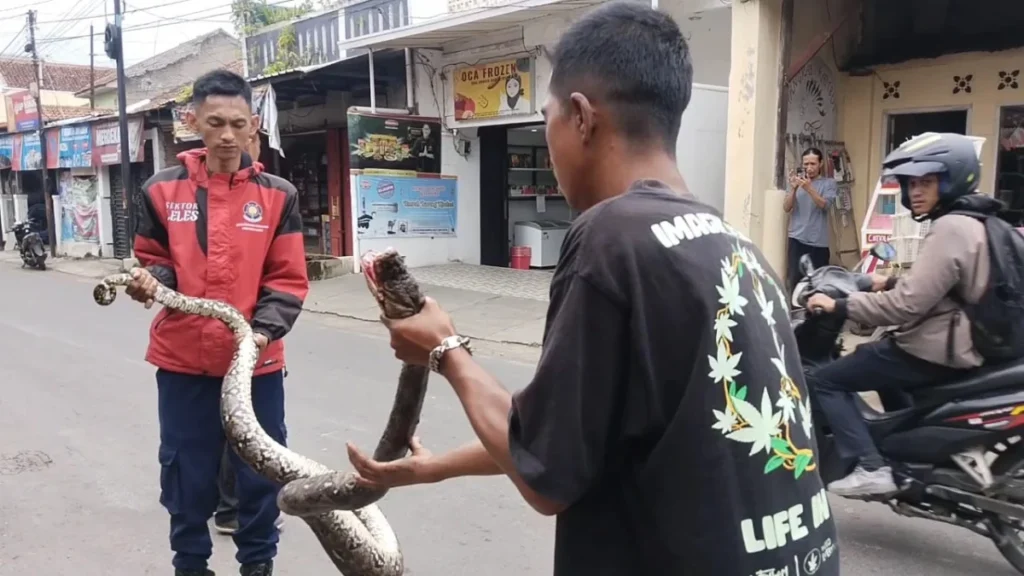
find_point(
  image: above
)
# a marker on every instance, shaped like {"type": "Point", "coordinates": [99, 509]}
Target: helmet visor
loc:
{"type": "Point", "coordinates": [916, 169]}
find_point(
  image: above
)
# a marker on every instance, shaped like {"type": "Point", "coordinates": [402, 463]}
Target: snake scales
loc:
{"type": "Point", "coordinates": [351, 529]}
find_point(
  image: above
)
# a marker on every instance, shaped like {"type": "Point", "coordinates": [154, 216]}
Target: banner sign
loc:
{"type": "Point", "coordinates": [503, 88]}
{"type": "Point", "coordinates": [31, 151]}
{"type": "Point", "coordinates": [6, 151]}
{"type": "Point", "coordinates": [106, 142]}
{"type": "Point", "coordinates": [391, 205]}
{"type": "Point", "coordinates": [410, 143]}
{"type": "Point", "coordinates": [79, 220]}
{"type": "Point", "coordinates": [22, 114]}
{"type": "Point", "coordinates": [75, 149]}
{"type": "Point", "coordinates": [52, 149]}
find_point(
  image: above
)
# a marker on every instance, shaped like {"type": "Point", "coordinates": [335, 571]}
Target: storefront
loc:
{"type": "Point", "coordinates": [305, 165]}
{"type": "Point", "coordinates": [484, 75]}
{"type": "Point", "coordinates": [976, 94]}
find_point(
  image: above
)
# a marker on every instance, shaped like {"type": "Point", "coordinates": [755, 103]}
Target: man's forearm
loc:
{"type": "Point", "coordinates": [487, 405]}
{"type": "Point", "coordinates": [787, 203]}
{"type": "Point", "coordinates": [469, 460]}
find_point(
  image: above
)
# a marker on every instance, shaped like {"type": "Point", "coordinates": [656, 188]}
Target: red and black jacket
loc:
{"type": "Point", "coordinates": [236, 238]}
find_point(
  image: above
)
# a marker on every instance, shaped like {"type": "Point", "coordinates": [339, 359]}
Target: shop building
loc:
{"type": "Point", "coordinates": [482, 70]}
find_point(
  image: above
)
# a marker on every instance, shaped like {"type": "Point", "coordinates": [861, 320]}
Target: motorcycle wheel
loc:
{"type": "Point", "coordinates": [41, 266]}
{"type": "Point", "coordinates": [1008, 533]}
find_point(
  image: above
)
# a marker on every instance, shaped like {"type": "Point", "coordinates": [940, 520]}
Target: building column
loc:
{"type": "Point", "coordinates": [752, 204]}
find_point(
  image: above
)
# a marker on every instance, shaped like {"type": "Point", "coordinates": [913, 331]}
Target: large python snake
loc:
{"type": "Point", "coordinates": [341, 512]}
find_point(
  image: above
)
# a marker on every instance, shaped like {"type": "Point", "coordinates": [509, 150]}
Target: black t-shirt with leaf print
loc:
{"type": "Point", "coordinates": [669, 407]}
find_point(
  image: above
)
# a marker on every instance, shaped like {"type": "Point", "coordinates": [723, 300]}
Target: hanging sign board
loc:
{"type": "Point", "coordinates": [494, 90]}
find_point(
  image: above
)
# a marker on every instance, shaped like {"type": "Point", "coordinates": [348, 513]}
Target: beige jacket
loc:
{"type": "Point", "coordinates": [954, 257]}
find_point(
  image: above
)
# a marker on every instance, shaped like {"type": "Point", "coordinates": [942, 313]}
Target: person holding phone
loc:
{"type": "Point", "coordinates": [807, 203]}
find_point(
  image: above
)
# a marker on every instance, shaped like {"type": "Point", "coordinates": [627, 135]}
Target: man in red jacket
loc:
{"type": "Point", "coordinates": [218, 227]}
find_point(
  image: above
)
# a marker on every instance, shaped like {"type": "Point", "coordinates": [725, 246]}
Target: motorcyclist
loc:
{"type": "Point", "coordinates": [932, 344]}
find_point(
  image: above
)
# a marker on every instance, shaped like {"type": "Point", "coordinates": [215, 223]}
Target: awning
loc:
{"type": "Point", "coordinates": [446, 28]}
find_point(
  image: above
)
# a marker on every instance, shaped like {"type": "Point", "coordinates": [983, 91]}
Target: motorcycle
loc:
{"type": "Point", "coordinates": [30, 245]}
{"type": "Point", "coordinates": [955, 447]}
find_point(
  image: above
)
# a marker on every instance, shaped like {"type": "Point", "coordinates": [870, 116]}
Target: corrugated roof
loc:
{"type": "Point", "coordinates": [20, 73]}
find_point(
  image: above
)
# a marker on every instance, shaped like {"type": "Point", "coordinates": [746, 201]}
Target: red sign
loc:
{"type": "Point", "coordinates": [106, 142]}
{"type": "Point", "coordinates": [877, 238]}
{"type": "Point", "coordinates": [22, 114]}
{"type": "Point", "coordinates": [52, 149]}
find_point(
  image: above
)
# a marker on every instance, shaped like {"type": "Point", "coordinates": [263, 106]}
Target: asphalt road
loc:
{"type": "Point", "coordinates": [79, 471]}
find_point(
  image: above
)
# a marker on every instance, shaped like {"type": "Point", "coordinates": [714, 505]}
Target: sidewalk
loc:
{"type": "Point", "coordinates": [501, 305]}
{"type": "Point", "coordinates": [488, 312]}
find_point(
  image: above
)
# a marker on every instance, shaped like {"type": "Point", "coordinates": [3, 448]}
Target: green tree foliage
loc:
{"type": "Point", "coordinates": [251, 15]}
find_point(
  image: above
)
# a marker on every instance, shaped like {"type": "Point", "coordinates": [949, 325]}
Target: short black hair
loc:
{"type": "Point", "coordinates": [634, 59]}
{"type": "Point", "coordinates": [814, 151]}
{"type": "Point", "coordinates": [221, 83]}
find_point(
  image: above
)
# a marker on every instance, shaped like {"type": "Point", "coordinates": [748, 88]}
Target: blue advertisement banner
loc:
{"type": "Point", "coordinates": [393, 205]}
{"type": "Point", "coordinates": [6, 151]}
{"type": "Point", "coordinates": [31, 152]}
{"type": "Point", "coordinates": [75, 146]}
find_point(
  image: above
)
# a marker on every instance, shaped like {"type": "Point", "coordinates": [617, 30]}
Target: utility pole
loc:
{"type": "Point", "coordinates": [114, 49]}
{"type": "Point", "coordinates": [51, 226]}
{"type": "Point", "coordinates": [92, 70]}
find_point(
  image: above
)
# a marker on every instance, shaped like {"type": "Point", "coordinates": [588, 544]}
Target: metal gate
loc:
{"type": "Point", "coordinates": [124, 219]}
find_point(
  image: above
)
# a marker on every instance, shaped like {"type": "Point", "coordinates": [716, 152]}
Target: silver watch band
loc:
{"type": "Point", "coordinates": [449, 343]}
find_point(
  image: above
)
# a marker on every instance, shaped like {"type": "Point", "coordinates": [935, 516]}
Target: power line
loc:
{"type": "Point", "coordinates": [13, 40]}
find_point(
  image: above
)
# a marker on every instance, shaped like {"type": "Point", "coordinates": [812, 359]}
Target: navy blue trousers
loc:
{"type": "Point", "coordinates": [191, 449]}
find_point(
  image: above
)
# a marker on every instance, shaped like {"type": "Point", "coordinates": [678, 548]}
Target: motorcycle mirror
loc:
{"type": "Point", "coordinates": [806, 266]}
{"type": "Point", "coordinates": [884, 251]}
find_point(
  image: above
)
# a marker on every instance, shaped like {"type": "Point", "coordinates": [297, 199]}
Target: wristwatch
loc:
{"type": "Point", "coordinates": [449, 343]}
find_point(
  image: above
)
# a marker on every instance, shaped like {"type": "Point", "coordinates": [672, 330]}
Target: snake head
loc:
{"type": "Point", "coordinates": [104, 294]}
{"type": "Point", "coordinates": [388, 279]}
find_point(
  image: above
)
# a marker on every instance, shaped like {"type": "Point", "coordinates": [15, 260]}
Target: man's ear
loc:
{"type": "Point", "coordinates": [583, 116]}
{"type": "Point", "coordinates": [255, 123]}
{"type": "Point", "coordinates": [191, 120]}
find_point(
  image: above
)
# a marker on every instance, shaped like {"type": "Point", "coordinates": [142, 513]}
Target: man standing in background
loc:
{"type": "Point", "coordinates": [807, 203]}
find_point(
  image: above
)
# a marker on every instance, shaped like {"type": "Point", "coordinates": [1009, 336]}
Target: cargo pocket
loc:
{"type": "Point", "coordinates": [170, 479]}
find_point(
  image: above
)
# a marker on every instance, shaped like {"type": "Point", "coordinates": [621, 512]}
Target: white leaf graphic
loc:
{"type": "Point", "coordinates": [762, 426]}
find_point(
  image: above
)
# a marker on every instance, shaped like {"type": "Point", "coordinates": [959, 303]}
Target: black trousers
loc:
{"type": "Point", "coordinates": [874, 367]}
{"type": "Point", "coordinates": [820, 256]}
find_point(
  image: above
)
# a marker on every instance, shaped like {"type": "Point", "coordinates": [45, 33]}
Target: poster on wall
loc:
{"type": "Point", "coordinates": [410, 143]}
{"type": "Point", "coordinates": [812, 101]}
{"type": "Point", "coordinates": [75, 150]}
{"type": "Point", "coordinates": [391, 205]}
{"type": "Point", "coordinates": [79, 220]}
{"type": "Point", "coordinates": [52, 149]}
{"type": "Point", "coordinates": [495, 89]}
{"type": "Point", "coordinates": [21, 107]}
{"type": "Point", "coordinates": [31, 152]}
{"type": "Point", "coordinates": [6, 151]}
{"type": "Point", "coordinates": [106, 140]}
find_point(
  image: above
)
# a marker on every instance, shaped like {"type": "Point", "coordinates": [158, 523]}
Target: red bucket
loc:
{"type": "Point", "coordinates": [519, 257]}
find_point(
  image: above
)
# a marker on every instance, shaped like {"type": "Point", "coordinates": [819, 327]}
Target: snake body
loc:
{"type": "Point", "coordinates": [342, 514]}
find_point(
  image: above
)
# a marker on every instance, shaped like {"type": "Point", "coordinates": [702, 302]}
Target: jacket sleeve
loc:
{"type": "Point", "coordinates": [285, 284]}
{"type": "Point", "coordinates": [152, 248]}
{"type": "Point", "coordinates": [947, 251]}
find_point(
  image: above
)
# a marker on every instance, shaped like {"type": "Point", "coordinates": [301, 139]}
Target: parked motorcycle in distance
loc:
{"type": "Point", "coordinates": [955, 447]}
{"type": "Point", "coordinates": [30, 245]}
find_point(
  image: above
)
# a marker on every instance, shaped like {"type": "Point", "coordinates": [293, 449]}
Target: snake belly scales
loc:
{"type": "Point", "coordinates": [350, 527]}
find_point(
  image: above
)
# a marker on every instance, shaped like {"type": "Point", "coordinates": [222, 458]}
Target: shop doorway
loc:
{"type": "Point", "coordinates": [903, 126]}
{"type": "Point", "coordinates": [520, 203]}
{"type": "Point", "coordinates": [1010, 162]}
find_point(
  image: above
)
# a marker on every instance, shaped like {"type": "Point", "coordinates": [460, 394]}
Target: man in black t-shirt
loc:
{"type": "Point", "coordinates": [668, 425]}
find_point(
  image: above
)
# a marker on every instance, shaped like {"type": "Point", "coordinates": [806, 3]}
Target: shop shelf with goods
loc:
{"type": "Point", "coordinates": [535, 205]}
{"type": "Point", "coordinates": [530, 174]}
{"type": "Point", "coordinates": [308, 174]}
